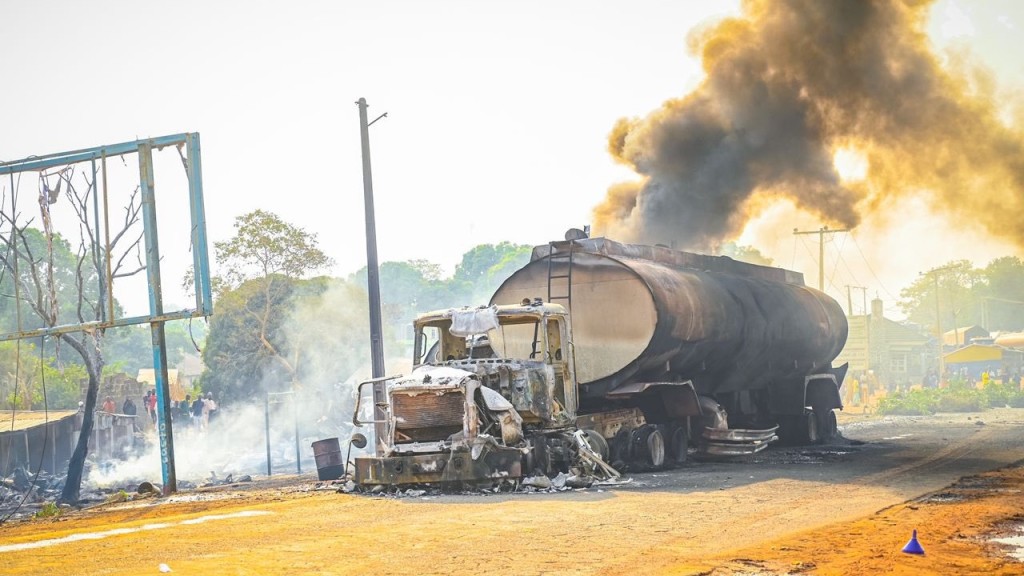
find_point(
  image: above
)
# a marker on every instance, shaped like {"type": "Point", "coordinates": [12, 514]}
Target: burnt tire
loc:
{"type": "Point", "coordinates": [812, 433]}
{"type": "Point", "coordinates": [655, 448]}
{"type": "Point", "coordinates": [597, 443]}
{"type": "Point", "coordinates": [679, 443]}
{"type": "Point", "coordinates": [825, 424]}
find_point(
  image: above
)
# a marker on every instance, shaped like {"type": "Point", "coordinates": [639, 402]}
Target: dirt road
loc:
{"type": "Point", "coordinates": [789, 510]}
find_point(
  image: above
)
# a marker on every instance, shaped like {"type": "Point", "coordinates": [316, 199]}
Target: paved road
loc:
{"type": "Point", "coordinates": [658, 522]}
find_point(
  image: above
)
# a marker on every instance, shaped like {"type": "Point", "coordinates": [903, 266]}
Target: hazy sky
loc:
{"type": "Point", "coordinates": [498, 112]}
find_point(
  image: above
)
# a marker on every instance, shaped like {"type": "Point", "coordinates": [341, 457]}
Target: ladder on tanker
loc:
{"type": "Point", "coordinates": [562, 255]}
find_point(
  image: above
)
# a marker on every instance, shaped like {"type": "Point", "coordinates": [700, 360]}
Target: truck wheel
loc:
{"type": "Point", "coordinates": [656, 448]}
{"type": "Point", "coordinates": [597, 442]}
{"type": "Point", "coordinates": [812, 432]}
{"type": "Point", "coordinates": [827, 428]}
{"type": "Point", "coordinates": [679, 443]}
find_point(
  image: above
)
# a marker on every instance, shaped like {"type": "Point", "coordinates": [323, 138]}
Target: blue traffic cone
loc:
{"type": "Point", "coordinates": [913, 547]}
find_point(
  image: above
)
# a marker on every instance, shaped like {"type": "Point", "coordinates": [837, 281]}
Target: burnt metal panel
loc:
{"type": "Point", "coordinates": [428, 415]}
{"type": "Point", "coordinates": [456, 467]}
{"type": "Point", "coordinates": [735, 442]}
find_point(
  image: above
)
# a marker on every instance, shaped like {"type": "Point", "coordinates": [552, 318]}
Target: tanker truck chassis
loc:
{"type": "Point", "coordinates": [650, 353]}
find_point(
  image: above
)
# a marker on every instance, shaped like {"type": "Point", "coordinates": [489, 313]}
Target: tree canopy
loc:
{"type": "Point", "coordinates": [958, 294]}
{"type": "Point", "coordinates": [265, 246]}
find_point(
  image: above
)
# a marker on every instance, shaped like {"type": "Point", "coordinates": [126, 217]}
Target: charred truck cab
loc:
{"type": "Point", "coordinates": [647, 349]}
{"type": "Point", "coordinates": [492, 394]}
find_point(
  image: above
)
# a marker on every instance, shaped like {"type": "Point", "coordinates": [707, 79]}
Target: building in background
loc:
{"type": "Point", "coordinates": [962, 336]}
{"type": "Point", "coordinates": [972, 360]}
{"type": "Point", "coordinates": [887, 352]}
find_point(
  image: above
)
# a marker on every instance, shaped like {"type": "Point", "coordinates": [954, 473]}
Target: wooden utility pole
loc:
{"type": "Point", "coordinates": [372, 276]}
{"type": "Point", "coordinates": [821, 250]}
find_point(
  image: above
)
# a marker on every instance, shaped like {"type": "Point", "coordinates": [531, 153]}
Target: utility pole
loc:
{"type": "Point", "coordinates": [821, 250]}
{"type": "Point", "coordinates": [934, 273]}
{"type": "Point", "coordinates": [373, 279]}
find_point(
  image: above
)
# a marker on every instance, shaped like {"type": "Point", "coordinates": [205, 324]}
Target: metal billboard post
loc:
{"type": "Point", "coordinates": [105, 311]}
{"type": "Point", "coordinates": [163, 392]}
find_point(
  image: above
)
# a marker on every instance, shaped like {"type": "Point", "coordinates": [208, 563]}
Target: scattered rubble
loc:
{"type": "Point", "coordinates": [23, 494]}
{"type": "Point", "coordinates": [533, 484]}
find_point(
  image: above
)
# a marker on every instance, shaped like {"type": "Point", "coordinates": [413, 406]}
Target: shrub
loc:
{"type": "Point", "coordinates": [912, 403]}
{"type": "Point", "coordinates": [49, 510]}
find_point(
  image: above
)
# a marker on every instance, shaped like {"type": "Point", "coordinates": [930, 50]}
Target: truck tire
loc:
{"type": "Point", "coordinates": [655, 443]}
{"type": "Point", "coordinates": [826, 425]}
{"type": "Point", "coordinates": [679, 443]}
{"type": "Point", "coordinates": [597, 443]}
{"type": "Point", "coordinates": [812, 434]}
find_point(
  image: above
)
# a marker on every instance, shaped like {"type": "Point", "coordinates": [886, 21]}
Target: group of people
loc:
{"type": "Point", "coordinates": [199, 412]}
{"type": "Point", "coordinates": [149, 403]}
{"type": "Point", "coordinates": [196, 414]}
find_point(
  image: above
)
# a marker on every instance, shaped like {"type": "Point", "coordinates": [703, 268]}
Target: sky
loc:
{"type": "Point", "coordinates": [498, 117]}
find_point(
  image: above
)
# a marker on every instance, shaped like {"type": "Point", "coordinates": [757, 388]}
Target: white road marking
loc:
{"type": "Point", "coordinates": [120, 531]}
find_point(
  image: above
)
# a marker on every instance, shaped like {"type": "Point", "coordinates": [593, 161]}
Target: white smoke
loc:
{"type": "Point", "coordinates": [235, 443]}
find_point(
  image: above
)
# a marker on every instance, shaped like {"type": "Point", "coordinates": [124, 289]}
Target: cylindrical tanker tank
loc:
{"type": "Point", "coordinates": [644, 313]}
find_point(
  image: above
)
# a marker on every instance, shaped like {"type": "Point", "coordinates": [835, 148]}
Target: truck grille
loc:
{"type": "Point", "coordinates": [427, 416]}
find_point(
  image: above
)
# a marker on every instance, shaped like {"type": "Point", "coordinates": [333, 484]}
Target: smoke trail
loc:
{"type": "Point", "coordinates": [789, 84]}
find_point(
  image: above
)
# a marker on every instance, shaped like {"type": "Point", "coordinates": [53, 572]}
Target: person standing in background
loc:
{"type": "Point", "coordinates": [197, 413]}
{"type": "Point", "coordinates": [152, 405]}
{"type": "Point", "coordinates": [185, 410]}
{"type": "Point", "coordinates": [209, 409]}
{"type": "Point", "coordinates": [129, 409]}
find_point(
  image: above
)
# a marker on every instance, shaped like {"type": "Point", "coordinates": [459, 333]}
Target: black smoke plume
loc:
{"type": "Point", "coordinates": [788, 84]}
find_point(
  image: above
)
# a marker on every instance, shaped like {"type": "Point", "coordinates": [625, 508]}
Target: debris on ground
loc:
{"type": "Point", "coordinates": [24, 493]}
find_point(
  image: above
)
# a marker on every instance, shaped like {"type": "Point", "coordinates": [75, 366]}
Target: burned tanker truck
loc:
{"type": "Point", "coordinates": [603, 356]}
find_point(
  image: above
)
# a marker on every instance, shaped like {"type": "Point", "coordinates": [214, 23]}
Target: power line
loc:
{"type": "Point", "coordinates": [838, 257]}
{"type": "Point", "coordinates": [870, 269]}
{"type": "Point", "coordinates": [821, 250]}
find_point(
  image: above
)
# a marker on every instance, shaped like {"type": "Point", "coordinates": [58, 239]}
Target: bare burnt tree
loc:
{"type": "Point", "coordinates": [80, 296]}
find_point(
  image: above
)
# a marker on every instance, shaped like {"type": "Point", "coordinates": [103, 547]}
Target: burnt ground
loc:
{"type": "Point", "coordinates": [844, 508]}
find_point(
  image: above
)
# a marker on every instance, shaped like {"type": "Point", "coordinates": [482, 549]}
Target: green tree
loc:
{"type": "Point", "coordinates": [264, 246]}
{"type": "Point", "coordinates": [319, 326]}
{"type": "Point", "coordinates": [237, 356]}
{"type": "Point", "coordinates": [484, 267]}
{"type": "Point", "coordinates": [28, 382]}
{"type": "Point", "coordinates": [415, 286]}
{"type": "Point", "coordinates": [131, 347]}
{"type": "Point", "coordinates": [262, 264]}
{"type": "Point", "coordinates": [952, 290]}
{"type": "Point", "coordinates": [1002, 295]}
{"type": "Point", "coordinates": [60, 262]}
{"type": "Point", "coordinates": [406, 288]}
